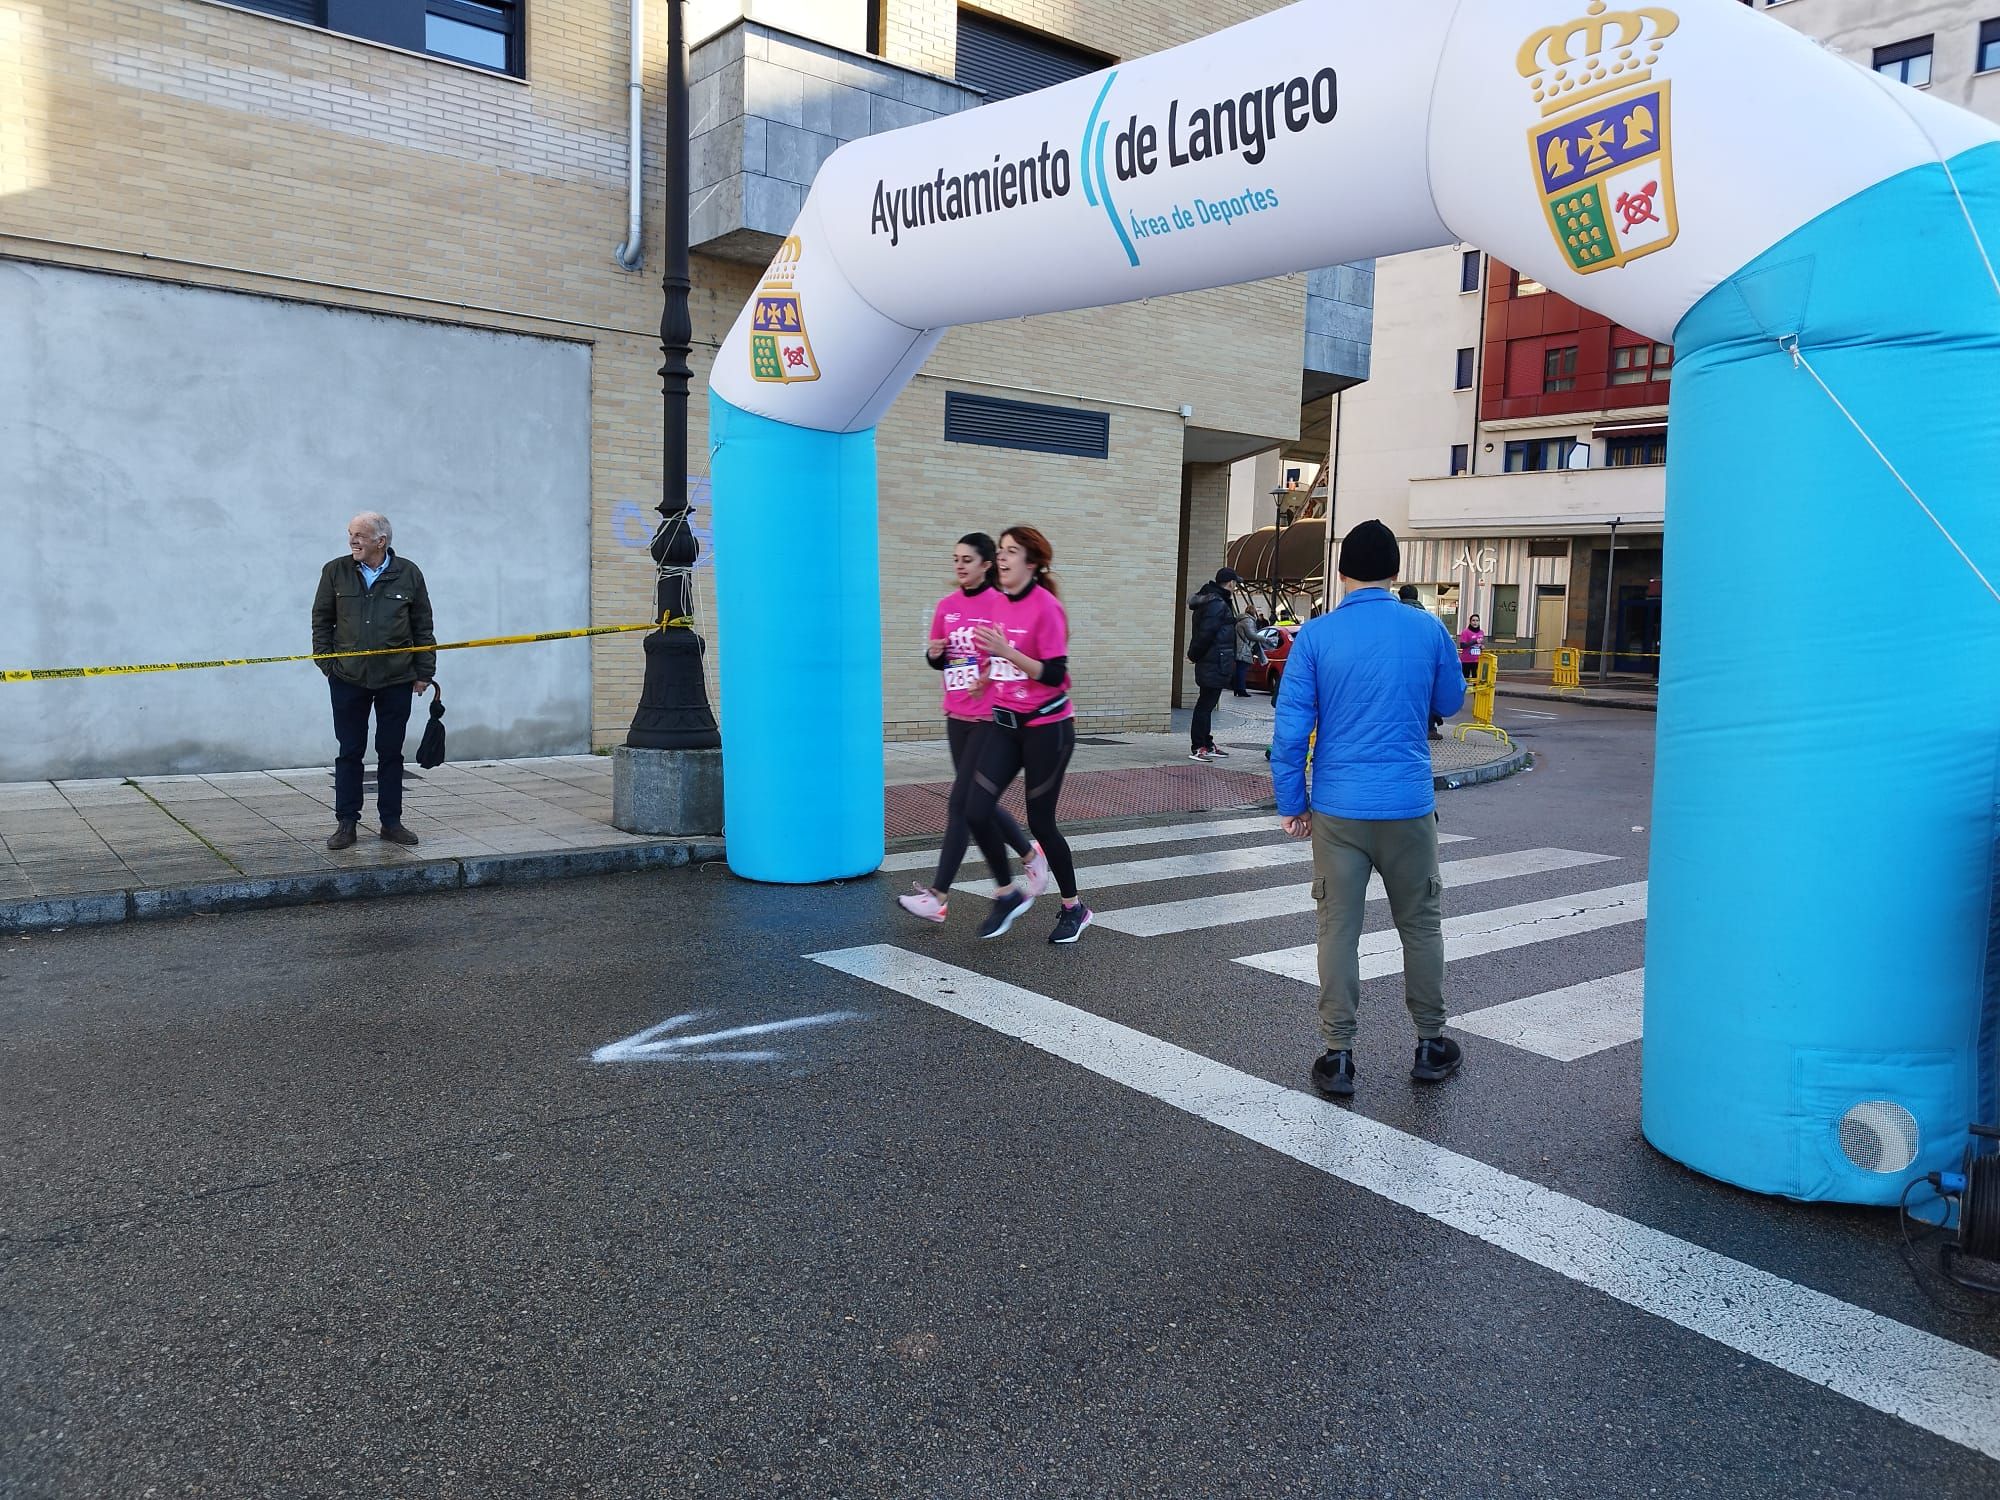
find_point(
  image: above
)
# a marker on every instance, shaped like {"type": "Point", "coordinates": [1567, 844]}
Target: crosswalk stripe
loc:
{"type": "Point", "coordinates": [1568, 1023]}
{"type": "Point", "coordinates": [1929, 1382]}
{"type": "Point", "coordinates": [1291, 900]}
{"type": "Point", "coordinates": [1188, 866]}
{"type": "Point", "coordinates": [1479, 932]}
{"type": "Point", "coordinates": [1132, 838]}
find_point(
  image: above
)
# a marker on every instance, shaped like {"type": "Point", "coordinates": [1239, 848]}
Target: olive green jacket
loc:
{"type": "Point", "coordinates": [396, 612]}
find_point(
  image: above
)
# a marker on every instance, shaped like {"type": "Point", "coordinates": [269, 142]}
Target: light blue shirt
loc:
{"type": "Point", "coordinates": [369, 575]}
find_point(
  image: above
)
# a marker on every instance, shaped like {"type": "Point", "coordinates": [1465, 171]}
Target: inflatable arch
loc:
{"type": "Point", "coordinates": [1813, 239]}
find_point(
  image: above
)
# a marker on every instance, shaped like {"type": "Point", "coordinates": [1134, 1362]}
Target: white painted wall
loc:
{"type": "Point", "coordinates": [176, 465]}
{"type": "Point", "coordinates": [1400, 424]}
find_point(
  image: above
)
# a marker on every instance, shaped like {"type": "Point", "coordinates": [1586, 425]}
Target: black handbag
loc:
{"type": "Point", "coordinates": [430, 750]}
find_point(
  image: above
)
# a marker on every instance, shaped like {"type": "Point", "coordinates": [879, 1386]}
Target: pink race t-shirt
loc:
{"type": "Point", "coordinates": [955, 621]}
{"type": "Point", "coordinates": [1037, 626]}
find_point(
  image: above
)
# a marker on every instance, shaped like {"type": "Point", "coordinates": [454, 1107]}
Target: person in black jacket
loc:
{"type": "Point", "coordinates": [1212, 649]}
{"type": "Point", "coordinates": [372, 600]}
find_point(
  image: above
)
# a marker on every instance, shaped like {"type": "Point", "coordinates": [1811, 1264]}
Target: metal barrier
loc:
{"type": "Point", "coordinates": [1485, 680]}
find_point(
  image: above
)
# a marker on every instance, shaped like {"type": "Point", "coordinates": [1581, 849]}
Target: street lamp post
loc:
{"type": "Point", "coordinates": [1279, 497]}
{"type": "Point", "coordinates": [673, 712]}
{"type": "Point", "coordinates": [667, 777]}
{"type": "Point", "coordinates": [1610, 575]}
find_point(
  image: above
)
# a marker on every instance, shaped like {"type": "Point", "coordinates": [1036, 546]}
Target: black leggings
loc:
{"type": "Point", "coordinates": [966, 737]}
{"type": "Point", "coordinates": [1043, 751]}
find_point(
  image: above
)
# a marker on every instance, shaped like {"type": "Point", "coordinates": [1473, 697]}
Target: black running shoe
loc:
{"type": "Point", "coordinates": [1070, 925]}
{"type": "Point", "coordinates": [1437, 1060]}
{"type": "Point", "coordinates": [1333, 1074]}
{"type": "Point", "coordinates": [1006, 909]}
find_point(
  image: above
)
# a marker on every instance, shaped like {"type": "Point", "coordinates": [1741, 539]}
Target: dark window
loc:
{"type": "Point", "coordinates": [307, 11]}
{"type": "Point", "coordinates": [1906, 62]}
{"type": "Point", "coordinates": [995, 423]}
{"type": "Point", "coordinates": [1537, 454]}
{"type": "Point", "coordinates": [1559, 369]}
{"type": "Point", "coordinates": [485, 33]}
{"type": "Point", "coordinates": [1637, 451]}
{"type": "Point", "coordinates": [1461, 458]}
{"type": "Point", "coordinates": [1549, 546]}
{"type": "Point", "coordinates": [1464, 369]}
{"type": "Point", "coordinates": [1468, 272]}
{"type": "Point", "coordinates": [1002, 61]}
{"type": "Point", "coordinates": [1989, 46]}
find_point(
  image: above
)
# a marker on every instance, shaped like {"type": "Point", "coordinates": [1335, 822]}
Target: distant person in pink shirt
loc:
{"type": "Point", "coordinates": [968, 719]}
{"type": "Point", "coordinates": [1469, 640]}
{"type": "Point", "coordinates": [1034, 730]}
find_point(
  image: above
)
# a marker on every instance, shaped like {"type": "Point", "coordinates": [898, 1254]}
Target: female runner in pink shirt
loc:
{"type": "Point", "coordinates": [968, 719]}
{"type": "Point", "coordinates": [1034, 729]}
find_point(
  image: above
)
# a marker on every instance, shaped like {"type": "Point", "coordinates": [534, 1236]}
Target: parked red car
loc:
{"type": "Point", "coordinates": [1270, 671]}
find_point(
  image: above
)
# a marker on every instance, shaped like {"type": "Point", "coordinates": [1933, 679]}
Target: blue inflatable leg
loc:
{"type": "Point", "coordinates": [797, 587]}
{"type": "Point", "coordinates": [1817, 1011]}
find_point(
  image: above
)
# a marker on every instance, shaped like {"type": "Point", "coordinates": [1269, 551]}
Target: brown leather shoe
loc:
{"type": "Point", "coordinates": [342, 837]}
{"type": "Point", "coordinates": [396, 833]}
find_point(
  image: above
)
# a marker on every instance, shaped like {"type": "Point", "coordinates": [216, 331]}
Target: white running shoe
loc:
{"type": "Point", "coordinates": [1200, 755]}
{"type": "Point", "coordinates": [922, 902]}
{"type": "Point", "coordinates": [1036, 866]}
{"type": "Point", "coordinates": [1216, 752]}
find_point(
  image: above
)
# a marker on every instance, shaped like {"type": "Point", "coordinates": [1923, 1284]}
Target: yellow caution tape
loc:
{"type": "Point", "coordinates": [48, 674]}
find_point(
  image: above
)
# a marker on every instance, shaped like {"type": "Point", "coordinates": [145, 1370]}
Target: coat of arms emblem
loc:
{"type": "Point", "coordinates": [1602, 158]}
{"type": "Point", "coordinates": [779, 349]}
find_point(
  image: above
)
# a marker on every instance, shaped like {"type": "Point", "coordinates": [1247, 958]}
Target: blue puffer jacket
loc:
{"type": "Point", "coordinates": [1367, 676]}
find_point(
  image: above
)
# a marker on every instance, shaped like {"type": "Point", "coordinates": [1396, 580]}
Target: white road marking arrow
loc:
{"type": "Point", "coordinates": [641, 1046]}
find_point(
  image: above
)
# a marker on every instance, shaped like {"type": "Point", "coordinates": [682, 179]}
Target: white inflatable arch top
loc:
{"type": "Point", "coordinates": [1814, 239]}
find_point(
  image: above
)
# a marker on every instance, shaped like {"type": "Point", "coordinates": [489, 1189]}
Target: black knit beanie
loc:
{"type": "Point", "coordinates": [1369, 553]}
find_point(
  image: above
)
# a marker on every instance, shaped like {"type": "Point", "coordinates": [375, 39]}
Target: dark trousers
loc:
{"type": "Point", "coordinates": [1200, 733]}
{"type": "Point", "coordinates": [1242, 679]}
{"type": "Point", "coordinates": [350, 727]}
{"type": "Point", "coordinates": [1042, 752]}
{"type": "Point", "coordinates": [967, 740]}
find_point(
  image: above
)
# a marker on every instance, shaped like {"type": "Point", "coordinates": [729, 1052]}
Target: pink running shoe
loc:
{"type": "Point", "coordinates": [922, 902]}
{"type": "Point", "coordinates": [1036, 866]}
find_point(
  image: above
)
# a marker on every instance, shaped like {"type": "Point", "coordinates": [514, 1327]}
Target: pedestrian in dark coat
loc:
{"type": "Point", "coordinates": [372, 600]}
{"type": "Point", "coordinates": [1212, 649]}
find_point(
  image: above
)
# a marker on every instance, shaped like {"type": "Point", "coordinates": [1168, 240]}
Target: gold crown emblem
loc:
{"type": "Point", "coordinates": [784, 263]}
{"type": "Point", "coordinates": [1594, 54]}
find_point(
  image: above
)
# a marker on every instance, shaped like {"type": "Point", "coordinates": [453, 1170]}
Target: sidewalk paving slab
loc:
{"type": "Point", "coordinates": [82, 852]}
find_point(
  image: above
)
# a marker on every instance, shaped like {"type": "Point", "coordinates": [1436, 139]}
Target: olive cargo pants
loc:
{"type": "Point", "coordinates": [1405, 853]}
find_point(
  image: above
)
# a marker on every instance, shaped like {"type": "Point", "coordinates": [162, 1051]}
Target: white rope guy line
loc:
{"type": "Point", "coordinates": [1966, 209]}
{"type": "Point", "coordinates": [1790, 344]}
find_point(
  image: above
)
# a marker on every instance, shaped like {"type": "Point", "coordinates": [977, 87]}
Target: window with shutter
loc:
{"type": "Point", "coordinates": [1001, 60]}
{"type": "Point", "coordinates": [996, 423]}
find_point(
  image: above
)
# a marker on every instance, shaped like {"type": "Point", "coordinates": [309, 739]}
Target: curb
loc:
{"type": "Point", "coordinates": [1496, 770]}
{"type": "Point", "coordinates": [149, 904]}
{"type": "Point", "coordinates": [1637, 705]}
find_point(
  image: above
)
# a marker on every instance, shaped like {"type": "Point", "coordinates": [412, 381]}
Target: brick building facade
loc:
{"type": "Point", "coordinates": [199, 145]}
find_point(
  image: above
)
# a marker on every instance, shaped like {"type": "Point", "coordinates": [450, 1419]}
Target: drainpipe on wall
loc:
{"type": "Point", "coordinates": [632, 254]}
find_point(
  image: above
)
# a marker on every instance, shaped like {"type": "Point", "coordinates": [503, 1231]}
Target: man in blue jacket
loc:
{"type": "Point", "coordinates": [1367, 676]}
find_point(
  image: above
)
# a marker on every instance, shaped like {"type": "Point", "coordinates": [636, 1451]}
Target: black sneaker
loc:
{"type": "Point", "coordinates": [1006, 909]}
{"type": "Point", "coordinates": [1070, 925]}
{"type": "Point", "coordinates": [1333, 1074]}
{"type": "Point", "coordinates": [1437, 1060]}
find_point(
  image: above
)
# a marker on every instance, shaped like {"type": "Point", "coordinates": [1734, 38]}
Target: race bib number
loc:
{"type": "Point", "coordinates": [1006, 671]}
{"type": "Point", "coordinates": [963, 679]}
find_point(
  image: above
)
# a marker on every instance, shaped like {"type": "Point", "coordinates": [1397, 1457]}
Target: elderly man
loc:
{"type": "Point", "coordinates": [1366, 679]}
{"type": "Point", "coordinates": [372, 600]}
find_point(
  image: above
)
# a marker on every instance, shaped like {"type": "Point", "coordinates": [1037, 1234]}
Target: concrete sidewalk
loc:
{"type": "Point", "coordinates": [81, 852]}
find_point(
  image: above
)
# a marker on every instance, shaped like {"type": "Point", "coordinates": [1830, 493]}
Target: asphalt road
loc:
{"type": "Point", "coordinates": [335, 1201]}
